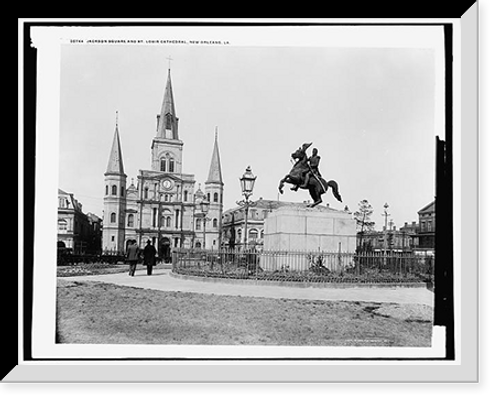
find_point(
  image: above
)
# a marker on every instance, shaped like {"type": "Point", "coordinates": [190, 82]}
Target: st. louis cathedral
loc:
{"type": "Point", "coordinates": [164, 204]}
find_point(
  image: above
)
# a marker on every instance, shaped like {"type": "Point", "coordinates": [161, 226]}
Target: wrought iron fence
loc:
{"type": "Point", "coordinates": [262, 264]}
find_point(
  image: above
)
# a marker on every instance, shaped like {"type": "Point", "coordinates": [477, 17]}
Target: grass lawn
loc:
{"type": "Point", "coordinates": [100, 313]}
{"type": "Point", "coordinates": [90, 269]}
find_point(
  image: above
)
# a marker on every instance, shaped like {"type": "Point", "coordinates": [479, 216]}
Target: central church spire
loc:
{"type": "Point", "coordinates": [166, 148]}
{"type": "Point", "coordinates": [167, 120]}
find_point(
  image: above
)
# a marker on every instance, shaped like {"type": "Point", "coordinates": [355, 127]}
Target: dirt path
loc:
{"type": "Point", "coordinates": [162, 280]}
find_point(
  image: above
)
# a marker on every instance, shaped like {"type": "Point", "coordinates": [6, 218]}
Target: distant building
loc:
{"type": "Point", "coordinates": [94, 241]}
{"type": "Point", "coordinates": [402, 240]}
{"type": "Point", "coordinates": [418, 237]}
{"type": "Point", "coordinates": [77, 232]}
{"type": "Point", "coordinates": [409, 227]}
{"type": "Point", "coordinates": [427, 227]}
{"type": "Point", "coordinates": [233, 221]}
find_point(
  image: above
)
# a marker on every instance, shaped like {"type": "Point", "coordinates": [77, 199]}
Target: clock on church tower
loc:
{"type": "Point", "coordinates": [167, 184]}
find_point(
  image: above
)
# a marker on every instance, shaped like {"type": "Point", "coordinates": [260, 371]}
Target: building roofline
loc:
{"type": "Point", "coordinates": [427, 206]}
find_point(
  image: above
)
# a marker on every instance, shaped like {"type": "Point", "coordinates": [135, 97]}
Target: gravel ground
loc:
{"type": "Point", "coordinates": [96, 312]}
{"type": "Point", "coordinates": [407, 312]}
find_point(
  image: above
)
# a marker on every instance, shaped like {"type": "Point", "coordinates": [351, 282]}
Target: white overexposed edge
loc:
{"type": "Point", "coordinates": [47, 157]}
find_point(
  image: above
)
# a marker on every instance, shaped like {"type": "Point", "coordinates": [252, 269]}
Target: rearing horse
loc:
{"type": "Point", "coordinates": [316, 185]}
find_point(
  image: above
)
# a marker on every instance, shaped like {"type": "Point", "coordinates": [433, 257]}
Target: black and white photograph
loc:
{"type": "Point", "coordinates": [247, 193]}
{"type": "Point", "coordinates": [226, 195]}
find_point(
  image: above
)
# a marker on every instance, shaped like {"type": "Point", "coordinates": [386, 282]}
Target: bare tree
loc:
{"type": "Point", "coordinates": [363, 222]}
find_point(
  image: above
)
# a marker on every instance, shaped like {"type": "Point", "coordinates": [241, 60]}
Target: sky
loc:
{"type": "Point", "coordinates": [370, 112]}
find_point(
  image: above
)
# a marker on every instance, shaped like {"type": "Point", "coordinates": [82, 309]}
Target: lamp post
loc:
{"type": "Point", "coordinates": [386, 206]}
{"type": "Point", "coordinates": [204, 204]}
{"type": "Point", "coordinates": [247, 182]}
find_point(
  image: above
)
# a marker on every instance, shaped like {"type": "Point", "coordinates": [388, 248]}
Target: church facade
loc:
{"type": "Point", "coordinates": [163, 205]}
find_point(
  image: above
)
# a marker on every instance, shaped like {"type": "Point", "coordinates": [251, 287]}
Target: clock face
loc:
{"type": "Point", "coordinates": [167, 184]}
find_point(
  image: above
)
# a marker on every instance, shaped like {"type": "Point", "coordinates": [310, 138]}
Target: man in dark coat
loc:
{"type": "Point", "coordinates": [132, 256]}
{"type": "Point", "coordinates": [313, 163]}
{"type": "Point", "coordinates": [149, 257]}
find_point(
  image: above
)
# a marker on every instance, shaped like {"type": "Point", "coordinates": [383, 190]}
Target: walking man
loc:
{"type": "Point", "coordinates": [149, 257]}
{"type": "Point", "coordinates": [132, 256]}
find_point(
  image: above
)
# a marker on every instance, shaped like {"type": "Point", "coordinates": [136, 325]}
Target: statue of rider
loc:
{"type": "Point", "coordinates": [303, 148]}
{"type": "Point", "coordinates": [313, 163]}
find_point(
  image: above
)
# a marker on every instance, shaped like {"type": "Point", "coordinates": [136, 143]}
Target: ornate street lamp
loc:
{"type": "Point", "coordinates": [247, 182]}
{"type": "Point", "coordinates": [204, 204]}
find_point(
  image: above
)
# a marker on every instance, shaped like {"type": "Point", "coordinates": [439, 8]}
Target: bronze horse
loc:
{"type": "Point", "coordinates": [316, 185]}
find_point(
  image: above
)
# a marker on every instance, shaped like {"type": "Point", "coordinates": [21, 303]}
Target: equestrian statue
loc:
{"type": "Point", "coordinates": [305, 175]}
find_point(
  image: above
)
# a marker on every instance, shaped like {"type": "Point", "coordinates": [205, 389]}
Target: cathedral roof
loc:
{"type": "Point", "coordinates": [199, 193]}
{"type": "Point", "coordinates": [215, 171]}
{"type": "Point", "coordinates": [115, 162]}
{"type": "Point", "coordinates": [132, 187]}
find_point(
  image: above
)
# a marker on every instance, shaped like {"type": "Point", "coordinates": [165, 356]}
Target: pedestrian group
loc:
{"type": "Point", "coordinates": [133, 254]}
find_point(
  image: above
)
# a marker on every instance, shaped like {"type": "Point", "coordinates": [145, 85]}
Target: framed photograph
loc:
{"type": "Point", "coordinates": [258, 200]}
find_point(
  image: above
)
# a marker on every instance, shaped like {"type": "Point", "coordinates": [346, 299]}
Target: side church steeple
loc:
{"type": "Point", "coordinates": [115, 181]}
{"type": "Point", "coordinates": [214, 190]}
{"type": "Point", "coordinates": [215, 170]}
{"type": "Point", "coordinates": [115, 161]}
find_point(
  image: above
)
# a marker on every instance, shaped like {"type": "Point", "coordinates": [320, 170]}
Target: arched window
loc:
{"type": "Point", "coordinates": [113, 217]}
{"type": "Point", "coordinates": [155, 210]}
{"type": "Point", "coordinates": [130, 220]}
{"type": "Point", "coordinates": [208, 196]}
{"type": "Point", "coordinates": [253, 234]}
{"type": "Point", "coordinates": [107, 189]}
{"type": "Point", "coordinates": [214, 223]}
{"type": "Point", "coordinates": [216, 197]}
{"type": "Point", "coordinates": [163, 164]}
{"type": "Point", "coordinates": [171, 165]}
{"type": "Point", "coordinates": [169, 221]}
{"type": "Point", "coordinates": [169, 121]}
{"type": "Point", "coordinates": [146, 193]}
{"type": "Point", "coordinates": [122, 191]}
{"type": "Point", "coordinates": [198, 224]}
{"type": "Point", "coordinates": [186, 196]}
{"type": "Point", "coordinates": [113, 190]}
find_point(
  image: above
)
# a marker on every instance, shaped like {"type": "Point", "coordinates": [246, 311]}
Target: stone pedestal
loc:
{"type": "Point", "coordinates": [297, 235]}
{"type": "Point", "coordinates": [310, 229]}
